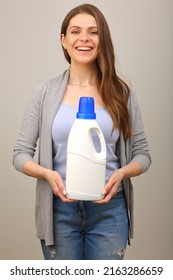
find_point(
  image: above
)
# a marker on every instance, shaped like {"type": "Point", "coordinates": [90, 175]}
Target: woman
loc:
{"type": "Point", "coordinates": [83, 229]}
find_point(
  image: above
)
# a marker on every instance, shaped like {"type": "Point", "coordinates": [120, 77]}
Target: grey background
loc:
{"type": "Point", "coordinates": [31, 53]}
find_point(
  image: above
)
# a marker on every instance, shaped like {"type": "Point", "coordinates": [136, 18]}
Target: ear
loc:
{"type": "Point", "coordinates": [63, 41]}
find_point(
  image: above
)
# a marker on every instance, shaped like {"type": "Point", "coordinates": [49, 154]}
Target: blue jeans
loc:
{"type": "Point", "coordinates": [87, 231]}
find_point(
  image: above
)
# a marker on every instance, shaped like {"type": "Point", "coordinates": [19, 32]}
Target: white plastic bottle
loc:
{"type": "Point", "coordinates": [86, 168]}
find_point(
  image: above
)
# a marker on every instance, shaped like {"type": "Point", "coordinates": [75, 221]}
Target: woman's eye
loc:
{"type": "Point", "coordinates": [75, 32]}
{"type": "Point", "coordinates": [93, 32]}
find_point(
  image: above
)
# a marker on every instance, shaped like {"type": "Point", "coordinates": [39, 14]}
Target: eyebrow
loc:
{"type": "Point", "coordinates": [90, 27]}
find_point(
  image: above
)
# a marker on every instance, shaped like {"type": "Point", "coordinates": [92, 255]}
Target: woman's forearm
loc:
{"type": "Point", "coordinates": [31, 168]}
{"type": "Point", "coordinates": [131, 170]}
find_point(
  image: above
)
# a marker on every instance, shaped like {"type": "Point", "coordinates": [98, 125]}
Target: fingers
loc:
{"type": "Point", "coordinates": [59, 188]}
{"type": "Point", "coordinates": [61, 195]}
{"type": "Point", "coordinates": [107, 197]}
{"type": "Point", "coordinates": [112, 185]}
{"type": "Point", "coordinates": [111, 182]}
{"type": "Point", "coordinates": [110, 189]}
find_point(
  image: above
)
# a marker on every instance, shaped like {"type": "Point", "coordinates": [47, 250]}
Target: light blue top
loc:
{"type": "Point", "coordinates": [62, 124]}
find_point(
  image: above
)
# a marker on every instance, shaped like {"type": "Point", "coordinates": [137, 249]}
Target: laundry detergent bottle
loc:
{"type": "Point", "coordinates": [86, 166]}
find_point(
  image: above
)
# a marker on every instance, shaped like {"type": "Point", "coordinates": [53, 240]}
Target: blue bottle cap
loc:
{"type": "Point", "coordinates": [86, 108]}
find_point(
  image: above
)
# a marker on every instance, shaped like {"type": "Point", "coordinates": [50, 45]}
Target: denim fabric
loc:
{"type": "Point", "coordinates": [85, 231]}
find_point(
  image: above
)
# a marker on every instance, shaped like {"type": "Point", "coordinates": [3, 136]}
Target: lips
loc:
{"type": "Point", "coordinates": [84, 48]}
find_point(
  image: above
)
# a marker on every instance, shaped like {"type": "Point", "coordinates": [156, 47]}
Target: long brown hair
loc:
{"type": "Point", "coordinates": [113, 90]}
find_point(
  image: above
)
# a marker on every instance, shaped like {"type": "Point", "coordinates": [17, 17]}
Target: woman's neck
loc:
{"type": "Point", "coordinates": [82, 75]}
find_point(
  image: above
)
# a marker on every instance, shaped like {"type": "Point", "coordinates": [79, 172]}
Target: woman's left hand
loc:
{"type": "Point", "coordinates": [111, 187]}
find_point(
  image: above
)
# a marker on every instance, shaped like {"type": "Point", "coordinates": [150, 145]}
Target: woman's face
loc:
{"type": "Point", "coordinates": [81, 40]}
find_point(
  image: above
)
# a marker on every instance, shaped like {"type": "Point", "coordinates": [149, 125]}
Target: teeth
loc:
{"type": "Point", "coordinates": [84, 49]}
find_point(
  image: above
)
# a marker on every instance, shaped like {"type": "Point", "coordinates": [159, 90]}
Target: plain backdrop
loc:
{"type": "Point", "coordinates": [142, 33]}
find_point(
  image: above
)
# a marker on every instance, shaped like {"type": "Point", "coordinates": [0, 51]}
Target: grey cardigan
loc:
{"type": "Point", "coordinates": [37, 124]}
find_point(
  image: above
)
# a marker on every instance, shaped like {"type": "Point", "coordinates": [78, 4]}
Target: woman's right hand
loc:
{"type": "Point", "coordinates": [33, 169]}
{"type": "Point", "coordinates": [55, 181]}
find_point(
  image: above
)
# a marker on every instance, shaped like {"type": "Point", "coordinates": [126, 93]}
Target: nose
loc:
{"type": "Point", "coordinates": [84, 36]}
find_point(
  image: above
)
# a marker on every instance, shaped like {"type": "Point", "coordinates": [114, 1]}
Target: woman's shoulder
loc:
{"type": "Point", "coordinates": [53, 82]}
{"type": "Point", "coordinates": [58, 80]}
{"type": "Point", "coordinates": [48, 86]}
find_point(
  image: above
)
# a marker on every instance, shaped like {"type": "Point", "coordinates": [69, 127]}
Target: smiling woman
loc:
{"type": "Point", "coordinates": [83, 229]}
{"type": "Point", "coordinates": [81, 40]}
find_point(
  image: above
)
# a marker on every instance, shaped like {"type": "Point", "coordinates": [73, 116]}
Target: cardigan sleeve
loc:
{"type": "Point", "coordinates": [139, 144]}
{"type": "Point", "coordinates": [29, 133]}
